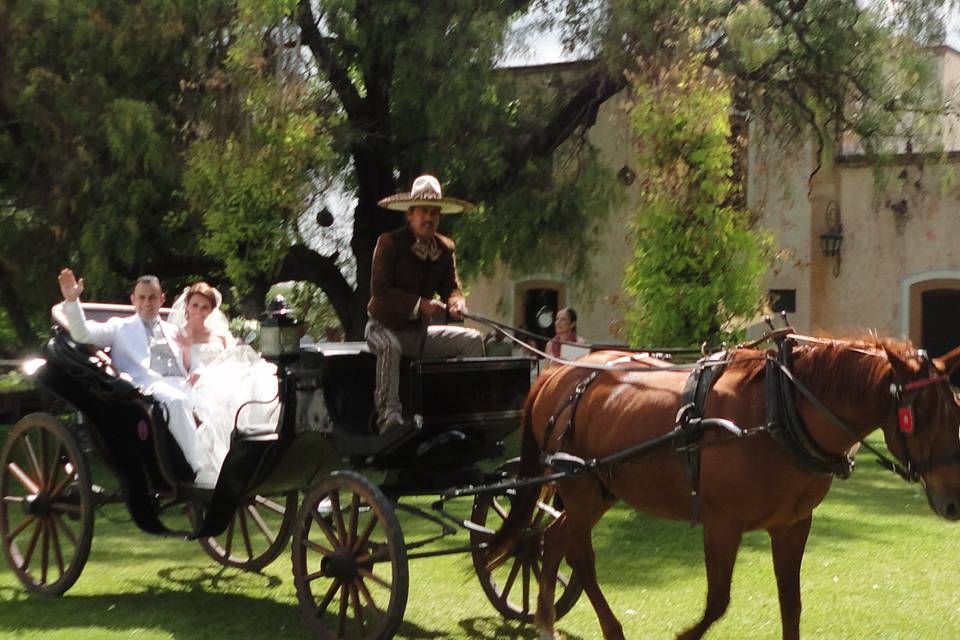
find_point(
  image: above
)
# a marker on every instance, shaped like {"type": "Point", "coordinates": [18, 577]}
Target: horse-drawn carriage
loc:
{"type": "Point", "coordinates": [349, 552]}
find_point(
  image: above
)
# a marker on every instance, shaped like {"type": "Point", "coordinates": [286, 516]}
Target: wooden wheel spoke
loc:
{"type": "Point", "coordinates": [498, 509]}
{"type": "Point", "coordinates": [228, 541]}
{"type": "Point", "coordinates": [44, 551]}
{"type": "Point", "coordinates": [325, 527]}
{"type": "Point", "coordinates": [57, 490]}
{"type": "Point", "coordinates": [22, 477]}
{"type": "Point", "coordinates": [378, 554]}
{"type": "Point", "coordinates": [310, 577]}
{"type": "Point", "coordinates": [367, 596]}
{"type": "Point", "coordinates": [31, 545]}
{"type": "Point", "coordinates": [270, 504]}
{"type": "Point", "coordinates": [44, 478]}
{"type": "Point", "coordinates": [355, 601]}
{"type": "Point", "coordinates": [55, 540]}
{"type": "Point", "coordinates": [313, 546]}
{"type": "Point", "coordinates": [13, 499]}
{"type": "Point", "coordinates": [328, 597]}
{"type": "Point", "coordinates": [55, 467]}
{"type": "Point", "coordinates": [20, 528]}
{"type": "Point", "coordinates": [261, 524]}
{"type": "Point", "coordinates": [242, 517]}
{"type": "Point", "coordinates": [369, 575]}
{"type": "Point", "coordinates": [32, 458]}
{"type": "Point", "coordinates": [354, 520]}
{"type": "Point", "coordinates": [525, 602]}
{"type": "Point", "coordinates": [338, 516]}
{"type": "Point", "coordinates": [67, 531]}
{"type": "Point", "coordinates": [511, 578]}
{"type": "Point", "coordinates": [342, 616]}
{"type": "Point", "coordinates": [65, 506]}
{"type": "Point", "coordinates": [362, 539]}
{"type": "Point", "coordinates": [563, 579]}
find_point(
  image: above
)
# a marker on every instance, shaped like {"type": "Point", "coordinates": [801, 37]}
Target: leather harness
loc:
{"type": "Point", "coordinates": [787, 427]}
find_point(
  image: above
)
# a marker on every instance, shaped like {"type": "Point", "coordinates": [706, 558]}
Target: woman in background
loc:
{"type": "Point", "coordinates": [565, 330]}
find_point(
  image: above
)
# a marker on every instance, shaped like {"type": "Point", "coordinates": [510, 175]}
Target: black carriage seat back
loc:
{"type": "Point", "coordinates": [112, 401]}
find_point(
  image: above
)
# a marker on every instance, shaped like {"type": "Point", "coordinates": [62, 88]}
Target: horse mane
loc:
{"type": "Point", "coordinates": [833, 368]}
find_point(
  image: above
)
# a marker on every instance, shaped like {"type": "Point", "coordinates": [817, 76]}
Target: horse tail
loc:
{"type": "Point", "coordinates": [525, 500]}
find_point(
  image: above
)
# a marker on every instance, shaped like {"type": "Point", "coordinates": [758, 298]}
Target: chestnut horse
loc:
{"type": "Point", "coordinates": [842, 392]}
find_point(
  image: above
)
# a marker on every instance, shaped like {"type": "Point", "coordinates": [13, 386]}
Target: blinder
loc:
{"type": "Point", "coordinates": [904, 395]}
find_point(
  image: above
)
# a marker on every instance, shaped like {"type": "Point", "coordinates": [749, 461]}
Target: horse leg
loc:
{"type": "Point", "coordinates": [787, 545]}
{"type": "Point", "coordinates": [580, 521]}
{"type": "Point", "coordinates": [554, 548]}
{"type": "Point", "coordinates": [721, 540]}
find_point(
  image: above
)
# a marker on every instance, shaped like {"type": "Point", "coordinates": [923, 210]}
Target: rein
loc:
{"type": "Point", "coordinates": [904, 395]}
{"type": "Point", "coordinates": [911, 472]}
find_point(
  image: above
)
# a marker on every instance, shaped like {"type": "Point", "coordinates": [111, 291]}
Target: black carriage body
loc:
{"type": "Point", "coordinates": [462, 409]}
{"type": "Point", "coordinates": [128, 431]}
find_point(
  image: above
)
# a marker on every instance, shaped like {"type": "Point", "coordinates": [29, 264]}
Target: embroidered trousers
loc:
{"type": "Point", "coordinates": [423, 342]}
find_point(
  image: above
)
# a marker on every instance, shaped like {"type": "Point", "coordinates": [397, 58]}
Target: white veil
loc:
{"type": "Point", "coordinates": [216, 322]}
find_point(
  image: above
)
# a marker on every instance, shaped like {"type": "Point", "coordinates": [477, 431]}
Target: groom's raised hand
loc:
{"type": "Point", "coordinates": [70, 287]}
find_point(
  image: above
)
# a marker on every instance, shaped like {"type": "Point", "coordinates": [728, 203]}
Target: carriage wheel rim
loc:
{"type": "Point", "coordinates": [350, 566]}
{"type": "Point", "coordinates": [46, 505]}
{"type": "Point", "coordinates": [257, 534]}
{"type": "Point", "coordinates": [513, 586]}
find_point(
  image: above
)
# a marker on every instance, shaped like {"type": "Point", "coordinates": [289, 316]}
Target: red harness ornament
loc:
{"type": "Point", "coordinates": [905, 419]}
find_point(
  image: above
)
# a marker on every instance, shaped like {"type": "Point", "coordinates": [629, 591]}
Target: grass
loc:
{"type": "Point", "coordinates": [879, 565]}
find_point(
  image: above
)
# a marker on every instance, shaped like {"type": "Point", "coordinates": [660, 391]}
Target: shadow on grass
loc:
{"type": "Point", "coordinates": [182, 614]}
{"type": "Point", "coordinates": [494, 628]}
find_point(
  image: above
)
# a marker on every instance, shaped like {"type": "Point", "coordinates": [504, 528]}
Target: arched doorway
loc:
{"type": "Point", "coordinates": [533, 298]}
{"type": "Point", "coordinates": [933, 312]}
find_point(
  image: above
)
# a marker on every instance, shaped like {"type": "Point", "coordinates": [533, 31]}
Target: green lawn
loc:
{"type": "Point", "coordinates": [879, 565]}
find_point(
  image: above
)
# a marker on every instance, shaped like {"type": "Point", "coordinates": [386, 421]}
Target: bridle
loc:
{"type": "Point", "coordinates": [904, 395]}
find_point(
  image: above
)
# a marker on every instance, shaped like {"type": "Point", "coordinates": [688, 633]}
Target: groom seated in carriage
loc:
{"type": "Point", "coordinates": [145, 347]}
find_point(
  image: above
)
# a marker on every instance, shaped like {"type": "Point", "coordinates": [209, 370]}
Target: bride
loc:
{"type": "Point", "coordinates": [232, 387]}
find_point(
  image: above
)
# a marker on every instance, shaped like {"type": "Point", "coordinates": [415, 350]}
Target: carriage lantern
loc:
{"type": "Point", "coordinates": [279, 332]}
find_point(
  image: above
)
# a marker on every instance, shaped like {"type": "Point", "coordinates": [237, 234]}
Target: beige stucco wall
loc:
{"type": "Point", "coordinates": [594, 301]}
{"type": "Point", "coordinates": [886, 259]}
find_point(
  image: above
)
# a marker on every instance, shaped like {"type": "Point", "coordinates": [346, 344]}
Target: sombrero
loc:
{"type": "Point", "coordinates": [425, 193]}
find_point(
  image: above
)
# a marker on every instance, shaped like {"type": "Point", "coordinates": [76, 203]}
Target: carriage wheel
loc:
{"type": "Point", "coordinates": [349, 561]}
{"type": "Point", "coordinates": [257, 534]}
{"type": "Point", "coordinates": [46, 505]}
{"type": "Point", "coordinates": [512, 587]}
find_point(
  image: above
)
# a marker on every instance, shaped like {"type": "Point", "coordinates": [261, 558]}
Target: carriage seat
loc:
{"type": "Point", "coordinates": [84, 375]}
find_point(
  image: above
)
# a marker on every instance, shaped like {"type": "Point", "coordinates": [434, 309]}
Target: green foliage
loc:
{"type": "Point", "coordinates": [697, 262]}
{"type": "Point", "coordinates": [313, 308]}
{"type": "Point", "coordinates": [549, 221]}
{"type": "Point", "coordinates": [14, 381]}
{"type": "Point", "coordinates": [91, 123]}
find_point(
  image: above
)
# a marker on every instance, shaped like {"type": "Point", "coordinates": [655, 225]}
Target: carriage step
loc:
{"type": "Point", "coordinates": [565, 463]}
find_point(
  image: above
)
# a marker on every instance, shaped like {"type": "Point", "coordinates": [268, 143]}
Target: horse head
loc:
{"type": "Point", "coordinates": [924, 434]}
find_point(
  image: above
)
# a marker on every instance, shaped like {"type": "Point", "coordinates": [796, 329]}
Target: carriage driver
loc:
{"type": "Point", "coordinates": [145, 348]}
{"type": "Point", "coordinates": [410, 266]}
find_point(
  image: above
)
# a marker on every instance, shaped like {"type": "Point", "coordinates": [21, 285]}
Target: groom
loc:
{"type": "Point", "coordinates": [145, 348]}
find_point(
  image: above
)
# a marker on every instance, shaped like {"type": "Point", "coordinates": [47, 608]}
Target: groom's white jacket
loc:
{"type": "Point", "coordinates": [127, 339]}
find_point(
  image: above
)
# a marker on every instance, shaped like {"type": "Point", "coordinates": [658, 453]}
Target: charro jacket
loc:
{"type": "Point", "coordinates": [399, 278]}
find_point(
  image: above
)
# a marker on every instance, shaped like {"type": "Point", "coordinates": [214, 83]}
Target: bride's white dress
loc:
{"type": "Point", "coordinates": [236, 389]}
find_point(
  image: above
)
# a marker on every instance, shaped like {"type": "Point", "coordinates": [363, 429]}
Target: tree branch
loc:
{"type": "Point", "coordinates": [303, 263]}
{"type": "Point", "coordinates": [340, 80]}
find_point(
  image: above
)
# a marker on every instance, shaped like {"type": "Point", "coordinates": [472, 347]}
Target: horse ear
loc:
{"type": "Point", "coordinates": [902, 371]}
{"type": "Point", "coordinates": [951, 360]}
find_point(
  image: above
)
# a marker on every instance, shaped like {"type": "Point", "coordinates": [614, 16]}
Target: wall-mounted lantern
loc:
{"type": "Point", "coordinates": [831, 242]}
